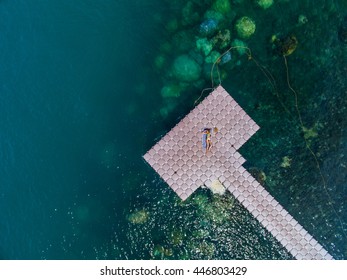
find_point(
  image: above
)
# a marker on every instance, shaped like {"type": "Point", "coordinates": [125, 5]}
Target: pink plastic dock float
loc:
{"type": "Point", "coordinates": [184, 165]}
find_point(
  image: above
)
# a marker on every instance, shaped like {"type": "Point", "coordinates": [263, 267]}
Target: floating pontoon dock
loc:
{"type": "Point", "coordinates": [179, 159]}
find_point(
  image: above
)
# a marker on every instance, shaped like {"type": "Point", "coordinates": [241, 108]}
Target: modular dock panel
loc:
{"type": "Point", "coordinates": [182, 163]}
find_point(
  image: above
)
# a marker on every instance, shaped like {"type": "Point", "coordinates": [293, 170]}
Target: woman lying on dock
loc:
{"type": "Point", "coordinates": [206, 139]}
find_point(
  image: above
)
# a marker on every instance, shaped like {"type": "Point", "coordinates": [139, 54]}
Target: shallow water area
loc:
{"type": "Point", "coordinates": [89, 87]}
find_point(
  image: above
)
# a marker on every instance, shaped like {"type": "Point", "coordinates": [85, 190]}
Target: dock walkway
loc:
{"type": "Point", "coordinates": [180, 161]}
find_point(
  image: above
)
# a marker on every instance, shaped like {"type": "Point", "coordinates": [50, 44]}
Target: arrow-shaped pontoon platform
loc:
{"type": "Point", "coordinates": [179, 159]}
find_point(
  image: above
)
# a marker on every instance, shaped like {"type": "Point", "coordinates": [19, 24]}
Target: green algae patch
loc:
{"type": "Point", "coordinates": [186, 69]}
{"type": "Point", "coordinates": [245, 27]}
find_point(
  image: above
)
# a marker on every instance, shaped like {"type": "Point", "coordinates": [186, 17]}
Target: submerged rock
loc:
{"type": "Point", "coordinates": [201, 233]}
{"type": "Point", "coordinates": [222, 39]}
{"type": "Point", "coordinates": [138, 217]}
{"type": "Point", "coordinates": [205, 249]}
{"type": "Point", "coordinates": [176, 237]}
{"type": "Point", "coordinates": [161, 252]}
{"type": "Point", "coordinates": [226, 58]}
{"type": "Point", "coordinates": [265, 4]}
{"type": "Point", "coordinates": [200, 200]}
{"type": "Point", "coordinates": [222, 6]}
{"type": "Point", "coordinates": [218, 210]}
{"type": "Point", "coordinates": [208, 27]}
{"type": "Point", "coordinates": [310, 132]}
{"type": "Point", "coordinates": [245, 27]}
{"type": "Point", "coordinates": [258, 174]}
{"type": "Point", "coordinates": [287, 45]}
{"type": "Point", "coordinates": [204, 45]}
{"type": "Point", "coordinates": [158, 251]}
{"type": "Point", "coordinates": [186, 69]}
{"type": "Point", "coordinates": [170, 91]}
{"type": "Point", "coordinates": [286, 162]}
{"type": "Point", "coordinates": [302, 19]}
{"type": "Point", "coordinates": [213, 57]}
{"type": "Point", "coordinates": [240, 46]}
{"type": "Point", "coordinates": [211, 14]}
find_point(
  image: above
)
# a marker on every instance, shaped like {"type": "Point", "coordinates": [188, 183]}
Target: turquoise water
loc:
{"type": "Point", "coordinates": [81, 102]}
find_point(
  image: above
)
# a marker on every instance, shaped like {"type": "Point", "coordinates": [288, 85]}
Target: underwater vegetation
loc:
{"type": "Point", "coordinates": [245, 27]}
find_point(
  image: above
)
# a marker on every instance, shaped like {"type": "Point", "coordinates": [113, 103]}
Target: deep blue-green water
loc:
{"type": "Point", "coordinates": [82, 100]}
